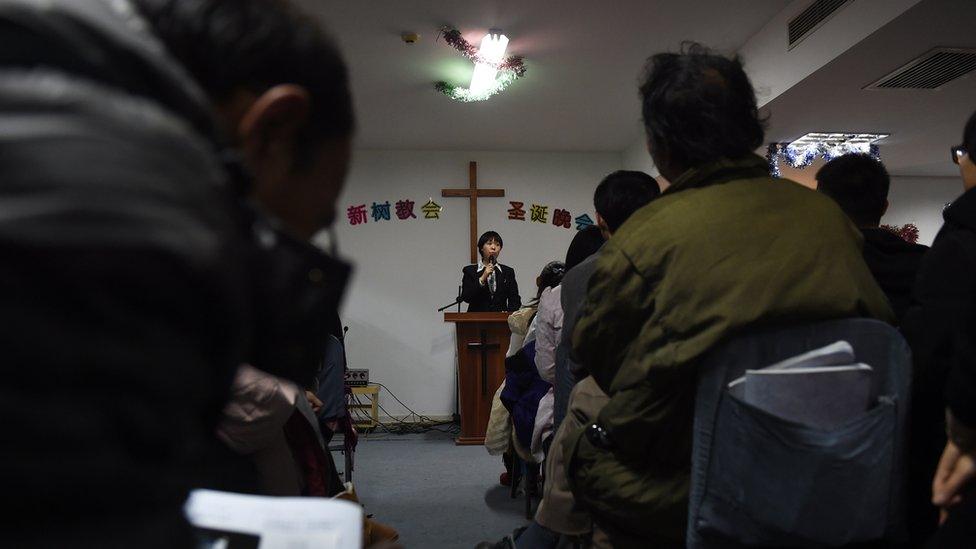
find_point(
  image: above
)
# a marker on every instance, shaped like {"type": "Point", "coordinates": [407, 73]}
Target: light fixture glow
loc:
{"type": "Point", "coordinates": [493, 71]}
{"type": "Point", "coordinates": [492, 51]}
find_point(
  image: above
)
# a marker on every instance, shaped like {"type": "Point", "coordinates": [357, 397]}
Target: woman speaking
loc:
{"type": "Point", "coordinates": [489, 285]}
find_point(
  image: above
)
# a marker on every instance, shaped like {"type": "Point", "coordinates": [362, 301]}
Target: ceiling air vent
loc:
{"type": "Point", "coordinates": [931, 71]}
{"type": "Point", "coordinates": [811, 18]}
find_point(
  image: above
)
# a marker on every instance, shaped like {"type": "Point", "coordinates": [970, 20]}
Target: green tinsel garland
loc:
{"type": "Point", "coordinates": [464, 95]}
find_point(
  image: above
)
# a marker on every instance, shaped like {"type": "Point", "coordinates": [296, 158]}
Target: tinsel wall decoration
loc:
{"type": "Point", "coordinates": [510, 69]}
{"type": "Point", "coordinates": [800, 158]}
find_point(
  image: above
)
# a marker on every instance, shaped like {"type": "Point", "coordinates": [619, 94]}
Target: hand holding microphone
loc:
{"type": "Point", "coordinates": [489, 269]}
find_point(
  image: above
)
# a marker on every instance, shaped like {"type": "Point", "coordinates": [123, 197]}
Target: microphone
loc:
{"type": "Point", "coordinates": [492, 259]}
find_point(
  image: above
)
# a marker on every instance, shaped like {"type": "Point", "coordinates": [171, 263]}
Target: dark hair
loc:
{"type": "Point", "coordinates": [488, 237]}
{"type": "Point", "coordinates": [699, 107]}
{"type": "Point", "coordinates": [551, 276]}
{"type": "Point", "coordinates": [859, 183]}
{"type": "Point", "coordinates": [586, 243]}
{"type": "Point", "coordinates": [622, 193]}
{"type": "Point", "coordinates": [255, 45]}
{"type": "Point", "coordinates": [969, 136]}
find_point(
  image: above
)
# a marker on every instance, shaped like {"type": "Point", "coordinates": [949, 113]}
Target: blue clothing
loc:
{"type": "Point", "coordinates": [524, 388]}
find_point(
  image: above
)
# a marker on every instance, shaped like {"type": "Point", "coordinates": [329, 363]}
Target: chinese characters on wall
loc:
{"type": "Point", "coordinates": [539, 213]}
{"type": "Point", "coordinates": [403, 210]}
{"type": "Point", "coordinates": [380, 211]}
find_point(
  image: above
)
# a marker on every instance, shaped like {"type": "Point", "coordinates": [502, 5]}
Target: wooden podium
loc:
{"type": "Point", "coordinates": [482, 341]}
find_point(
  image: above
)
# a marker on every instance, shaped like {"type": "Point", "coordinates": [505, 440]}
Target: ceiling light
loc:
{"type": "Point", "coordinates": [492, 51]}
{"type": "Point", "coordinates": [493, 72]}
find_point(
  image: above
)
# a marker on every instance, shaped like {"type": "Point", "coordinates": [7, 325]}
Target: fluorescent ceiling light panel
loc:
{"type": "Point", "coordinates": [492, 49]}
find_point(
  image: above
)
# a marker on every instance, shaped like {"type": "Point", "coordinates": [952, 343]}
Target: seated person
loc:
{"type": "Point", "coordinates": [254, 424]}
{"type": "Point", "coordinates": [512, 425]}
{"type": "Point", "coordinates": [618, 195]}
{"type": "Point", "coordinates": [859, 184]}
{"type": "Point", "coordinates": [616, 198]}
{"type": "Point", "coordinates": [489, 285]}
{"type": "Point", "coordinates": [524, 388]}
{"type": "Point", "coordinates": [725, 249]}
{"type": "Point", "coordinates": [290, 121]}
{"type": "Point", "coordinates": [270, 421]}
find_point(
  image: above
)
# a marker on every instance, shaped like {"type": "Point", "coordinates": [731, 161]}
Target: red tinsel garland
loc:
{"type": "Point", "coordinates": [907, 232]}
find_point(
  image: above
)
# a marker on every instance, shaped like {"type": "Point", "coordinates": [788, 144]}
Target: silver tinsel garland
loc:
{"type": "Point", "coordinates": [800, 158]}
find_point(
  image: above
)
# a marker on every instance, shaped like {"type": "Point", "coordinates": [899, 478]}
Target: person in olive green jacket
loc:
{"type": "Point", "coordinates": [726, 249]}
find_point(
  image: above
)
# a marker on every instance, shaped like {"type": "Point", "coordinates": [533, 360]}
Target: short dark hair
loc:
{"type": "Point", "coordinates": [969, 136]}
{"type": "Point", "coordinates": [699, 107]}
{"type": "Point", "coordinates": [487, 237]}
{"type": "Point", "coordinates": [622, 193]}
{"type": "Point", "coordinates": [256, 45]}
{"type": "Point", "coordinates": [551, 275]}
{"type": "Point", "coordinates": [586, 243]}
{"type": "Point", "coordinates": [859, 183]}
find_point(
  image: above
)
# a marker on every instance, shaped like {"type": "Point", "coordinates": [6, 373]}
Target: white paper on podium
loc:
{"type": "Point", "coordinates": [292, 523]}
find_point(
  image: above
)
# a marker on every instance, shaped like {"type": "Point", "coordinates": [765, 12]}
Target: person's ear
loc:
{"type": "Point", "coordinates": [271, 125]}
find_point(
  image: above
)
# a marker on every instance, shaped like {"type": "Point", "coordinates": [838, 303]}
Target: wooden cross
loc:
{"type": "Point", "coordinates": [472, 193]}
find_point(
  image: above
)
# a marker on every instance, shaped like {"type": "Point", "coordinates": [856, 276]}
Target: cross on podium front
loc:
{"type": "Point", "coordinates": [472, 193]}
{"type": "Point", "coordinates": [484, 347]}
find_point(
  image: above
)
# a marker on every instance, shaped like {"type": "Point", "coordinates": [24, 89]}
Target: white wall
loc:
{"type": "Point", "coordinates": [636, 157]}
{"type": "Point", "coordinates": [920, 200]}
{"type": "Point", "coordinates": [405, 270]}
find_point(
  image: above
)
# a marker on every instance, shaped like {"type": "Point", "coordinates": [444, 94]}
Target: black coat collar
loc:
{"type": "Point", "coordinates": [962, 212]}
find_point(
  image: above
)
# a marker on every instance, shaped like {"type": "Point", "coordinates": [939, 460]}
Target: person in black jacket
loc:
{"type": "Point", "coordinates": [138, 279]}
{"type": "Point", "coordinates": [489, 285]}
{"type": "Point", "coordinates": [287, 115]}
{"type": "Point", "coordinates": [859, 184]}
{"type": "Point", "coordinates": [941, 327]}
{"type": "Point", "coordinates": [124, 302]}
{"type": "Point", "coordinates": [281, 94]}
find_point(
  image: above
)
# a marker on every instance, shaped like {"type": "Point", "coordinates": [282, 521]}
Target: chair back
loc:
{"type": "Point", "coordinates": [761, 480]}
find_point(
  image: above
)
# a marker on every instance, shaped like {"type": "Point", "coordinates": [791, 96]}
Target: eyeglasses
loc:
{"type": "Point", "coordinates": [957, 153]}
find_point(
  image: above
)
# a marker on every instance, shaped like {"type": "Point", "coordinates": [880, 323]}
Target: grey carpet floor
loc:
{"type": "Point", "coordinates": [436, 494]}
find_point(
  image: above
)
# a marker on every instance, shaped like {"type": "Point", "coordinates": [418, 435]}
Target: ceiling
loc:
{"type": "Point", "coordinates": [923, 124]}
{"type": "Point", "coordinates": [584, 60]}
